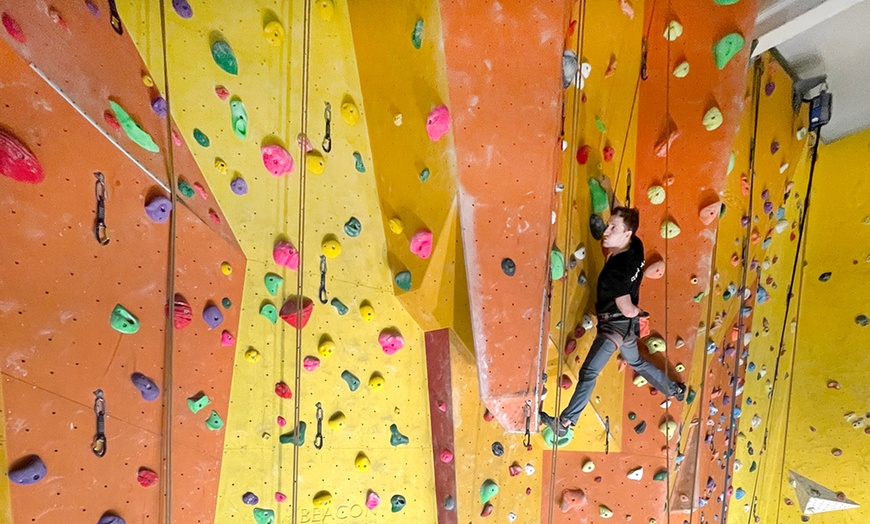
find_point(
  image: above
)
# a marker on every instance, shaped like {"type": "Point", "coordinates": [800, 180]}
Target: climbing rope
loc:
{"type": "Point", "coordinates": [667, 276]}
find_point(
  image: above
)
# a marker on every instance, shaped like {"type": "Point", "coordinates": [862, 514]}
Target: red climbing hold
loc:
{"type": "Point", "coordinates": [182, 313]}
{"type": "Point", "coordinates": [292, 315]}
{"type": "Point", "coordinates": [570, 347]}
{"type": "Point", "coordinates": [663, 145]}
{"type": "Point", "coordinates": [13, 28]}
{"type": "Point", "coordinates": [487, 510]}
{"type": "Point", "coordinates": [514, 469]}
{"type": "Point", "coordinates": [146, 477]}
{"type": "Point", "coordinates": [487, 416]}
{"type": "Point", "coordinates": [214, 216]}
{"type": "Point", "coordinates": [221, 92]}
{"type": "Point", "coordinates": [111, 120]}
{"type": "Point", "coordinates": [283, 390]}
{"type": "Point", "coordinates": [17, 162]}
{"type": "Point", "coordinates": [609, 153]}
{"type": "Point", "coordinates": [583, 155]}
{"type": "Point", "coordinates": [566, 382]}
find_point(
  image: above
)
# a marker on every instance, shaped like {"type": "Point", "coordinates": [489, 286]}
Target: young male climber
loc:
{"type": "Point", "coordinates": [619, 319]}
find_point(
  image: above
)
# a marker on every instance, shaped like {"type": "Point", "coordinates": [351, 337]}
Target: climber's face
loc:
{"type": "Point", "coordinates": [616, 236]}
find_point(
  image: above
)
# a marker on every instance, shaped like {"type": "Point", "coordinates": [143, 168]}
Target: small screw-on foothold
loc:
{"type": "Point", "coordinates": [572, 499]}
{"type": "Point", "coordinates": [145, 477]}
{"type": "Point", "coordinates": [214, 421]}
{"type": "Point", "coordinates": [397, 503]}
{"type": "Point", "coordinates": [497, 449]}
{"type": "Point", "coordinates": [396, 438]}
{"type": "Point", "coordinates": [264, 516]}
{"type": "Point", "coordinates": [351, 379]}
{"type": "Point", "coordinates": [438, 122]}
{"type": "Point", "coordinates": [270, 312]}
{"type": "Point", "coordinates": [250, 499]}
{"type": "Point", "coordinates": [339, 306]}
{"type": "Point", "coordinates": [417, 34]}
{"type": "Point", "coordinates": [508, 266]}
{"type": "Point", "coordinates": [372, 500]}
{"type": "Point", "coordinates": [824, 277]}
{"type": "Point", "coordinates": [403, 280]}
{"type": "Point", "coordinates": [197, 402]}
{"type": "Point", "coordinates": [283, 390]}
{"type": "Point", "coordinates": [158, 209]}
{"type": "Point", "coordinates": [449, 503]}
{"type": "Point", "coordinates": [123, 321]}
{"type": "Point", "coordinates": [353, 227]}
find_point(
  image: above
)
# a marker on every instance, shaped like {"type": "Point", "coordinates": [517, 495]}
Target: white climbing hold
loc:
{"type": "Point", "coordinates": [604, 512]}
{"type": "Point", "coordinates": [580, 254]}
{"type": "Point", "coordinates": [512, 517]}
{"type": "Point", "coordinates": [682, 69]}
{"type": "Point", "coordinates": [585, 69]}
{"type": "Point", "coordinates": [781, 226]}
{"type": "Point", "coordinates": [639, 381]}
{"type": "Point", "coordinates": [712, 119]}
{"type": "Point", "coordinates": [801, 133]}
{"type": "Point", "coordinates": [783, 168]}
{"type": "Point", "coordinates": [756, 421]}
{"type": "Point", "coordinates": [673, 30]}
{"type": "Point", "coordinates": [530, 470]}
{"type": "Point", "coordinates": [636, 474]}
{"type": "Point", "coordinates": [656, 194]}
{"type": "Point", "coordinates": [588, 466]}
{"type": "Point", "coordinates": [587, 323]}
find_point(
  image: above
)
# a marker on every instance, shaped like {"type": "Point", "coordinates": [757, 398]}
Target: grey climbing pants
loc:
{"type": "Point", "coordinates": [623, 332]}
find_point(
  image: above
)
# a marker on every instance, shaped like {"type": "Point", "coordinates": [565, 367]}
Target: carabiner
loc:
{"type": "Point", "coordinates": [102, 196]}
{"type": "Point", "coordinates": [607, 434]}
{"type": "Point", "coordinates": [527, 412]}
{"type": "Point", "coordinates": [327, 138]}
{"type": "Point", "coordinates": [318, 439]}
{"type": "Point", "coordinates": [323, 297]}
{"type": "Point", "coordinates": [99, 445]}
{"type": "Point", "coordinates": [643, 53]}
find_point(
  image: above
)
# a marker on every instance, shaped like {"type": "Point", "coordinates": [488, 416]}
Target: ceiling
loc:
{"type": "Point", "coordinates": [824, 37]}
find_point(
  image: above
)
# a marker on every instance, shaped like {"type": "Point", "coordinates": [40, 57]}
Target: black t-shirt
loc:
{"type": "Point", "coordinates": [621, 275]}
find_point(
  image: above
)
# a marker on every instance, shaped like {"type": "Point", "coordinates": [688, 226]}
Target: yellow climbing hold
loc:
{"type": "Point", "coordinates": [656, 194]}
{"type": "Point", "coordinates": [673, 30]}
{"type": "Point", "coordinates": [669, 229]}
{"type": "Point", "coordinates": [639, 381]}
{"type": "Point", "coordinates": [147, 80]}
{"type": "Point", "coordinates": [252, 355]}
{"type": "Point", "coordinates": [315, 162]}
{"type": "Point", "coordinates": [349, 111]}
{"type": "Point", "coordinates": [362, 462]}
{"type": "Point", "coordinates": [604, 512]}
{"type": "Point", "coordinates": [336, 421]}
{"type": "Point", "coordinates": [669, 428]}
{"type": "Point", "coordinates": [326, 347]}
{"type": "Point", "coordinates": [221, 166]}
{"type": "Point", "coordinates": [274, 33]}
{"type": "Point", "coordinates": [712, 118]}
{"type": "Point", "coordinates": [655, 344]}
{"type": "Point", "coordinates": [680, 368]}
{"type": "Point", "coordinates": [226, 268]}
{"type": "Point", "coordinates": [326, 9]}
{"type": "Point", "coordinates": [376, 381]}
{"type": "Point", "coordinates": [330, 247]}
{"type": "Point", "coordinates": [322, 498]}
{"type": "Point", "coordinates": [682, 69]}
{"type": "Point", "coordinates": [367, 311]}
{"type": "Point", "coordinates": [397, 226]}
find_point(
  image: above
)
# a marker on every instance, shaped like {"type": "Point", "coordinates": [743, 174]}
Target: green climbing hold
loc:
{"type": "Point", "coordinates": [632, 415]}
{"type": "Point", "coordinates": [661, 475]}
{"type": "Point", "coordinates": [564, 440]}
{"type": "Point", "coordinates": [224, 57]}
{"type": "Point", "coordinates": [600, 125]}
{"type": "Point", "coordinates": [270, 312]}
{"type": "Point", "coordinates": [226, 303]}
{"type": "Point", "coordinates": [214, 422]}
{"type": "Point", "coordinates": [397, 503]}
{"type": "Point", "coordinates": [350, 378]}
{"type": "Point", "coordinates": [403, 280]}
{"type": "Point", "coordinates": [752, 466]}
{"type": "Point", "coordinates": [725, 2]}
{"type": "Point", "coordinates": [264, 516]}
{"type": "Point", "coordinates": [396, 438]}
{"type": "Point", "coordinates": [273, 282]}
{"type": "Point", "coordinates": [352, 227]}
{"type": "Point", "coordinates": [731, 161]}
{"type": "Point", "coordinates": [132, 129]}
{"type": "Point", "coordinates": [424, 175]}
{"type": "Point", "coordinates": [295, 437]}
{"type": "Point", "coordinates": [600, 201]}
{"type": "Point", "coordinates": [197, 402]}
{"type": "Point", "coordinates": [726, 48]}
{"type": "Point", "coordinates": [557, 264]}
{"type": "Point", "coordinates": [201, 138]}
{"type": "Point", "coordinates": [360, 166]}
{"type": "Point", "coordinates": [239, 117]}
{"type": "Point", "coordinates": [699, 297]}
{"type": "Point", "coordinates": [417, 35]}
{"type": "Point", "coordinates": [124, 321]}
{"type": "Point", "coordinates": [488, 490]}
{"type": "Point", "coordinates": [691, 396]}
{"type": "Point", "coordinates": [339, 306]}
{"type": "Point", "coordinates": [185, 189]}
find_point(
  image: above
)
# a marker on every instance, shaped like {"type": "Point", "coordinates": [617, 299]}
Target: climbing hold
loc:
{"type": "Point", "coordinates": [264, 516]}
{"type": "Point", "coordinates": [132, 129]}
{"type": "Point", "coordinates": [250, 499]}
{"type": "Point", "coordinates": [449, 503]}
{"type": "Point", "coordinates": [588, 466]}
{"type": "Point", "coordinates": [712, 118]}
{"type": "Point", "coordinates": [366, 311]}
{"type": "Point", "coordinates": [497, 449]}
{"type": "Point", "coordinates": [438, 122]}
{"type": "Point", "coordinates": [349, 110]}
{"type": "Point", "coordinates": [376, 381]}
{"type": "Point", "coordinates": [124, 321]}
{"type": "Point", "coordinates": [801, 133]}
{"type": "Point", "coordinates": [549, 437]}
{"type": "Point", "coordinates": [201, 138]}
{"type": "Point", "coordinates": [336, 421]}
{"type": "Point", "coordinates": [446, 456]}
{"type": "Point", "coordinates": [569, 67]}
{"type": "Point", "coordinates": [636, 473]}
{"type": "Point", "coordinates": [565, 382]}
{"type": "Point", "coordinates": [273, 283]}
{"type": "Point", "coordinates": [353, 227]}
{"type": "Point", "coordinates": [185, 189]}
{"type": "Point", "coordinates": [372, 500]}
{"type": "Point", "coordinates": [682, 69]}
{"type": "Point", "coordinates": [655, 344]}
{"type": "Point", "coordinates": [397, 503]}
{"type": "Point", "coordinates": [660, 475]}
{"type": "Point", "coordinates": [604, 512]}
{"type": "Point", "coordinates": [669, 229]}
{"type": "Point", "coordinates": [396, 225]}
{"type": "Point", "coordinates": [182, 314]}
{"type": "Point", "coordinates": [330, 247]}
{"type": "Point", "coordinates": [252, 355]}
{"type": "Point", "coordinates": [239, 186]}
{"type": "Point", "coordinates": [669, 428]}
{"type": "Point", "coordinates": [146, 386]}
{"type": "Point", "coordinates": [726, 48]}
{"type": "Point", "coordinates": [280, 497]}
{"type": "Point", "coordinates": [285, 254]}
{"type": "Point", "coordinates": [424, 175]}
{"type": "Point", "coordinates": [310, 363]}
{"type": "Point", "coordinates": [326, 346]}
{"type": "Point", "coordinates": [673, 30]}
{"type": "Point", "coordinates": [315, 162]}
{"type": "Point", "coordinates": [352, 382]}
{"type": "Point", "coordinates": [239, 117]}
{"type": "Point", "coordinates": [197, 402]}
{"type": "Point", "coordinates": [710, 212]}
{"type": "Point", "coordinates": [111, 519]}
{"type": "Point", "coordinates": [421, 243]}
{"type": "Point", "coordinates": [273, 32]}
{"type": "Point", "coordinates": [391, 340]}
{"type": "Point", "coordinates": [159, 106]}
{"type": "Point", "coordinates": [680, 368]}
{"type": "Point", "coordinates": [656, 194]}
{"type": "Point", "coordinates": [146, 477]}
{"type": "Point", "coordinates": [283, 390]}
{"type": "Point", "coordinates": [295, 437]}
{"type": "Point", "coordinates": [269, 311]}
{"type": "Point", "coordinates": [655, 270]}
{"type": "Point", "coordinates": [557, 264]}
{"type": "Point", "coordinates": [28, 470]}
{"type": "Point", "coordinates": [639, 381]}
{"type": "Point", "coordinates": [214, 421]}
{"type": "Point", "coordinates": [183, 9]}
{"type": "Point", "coordinates": [640, 428]}
{"type": "Point", "coordinates": [862, 320]}
{"type": "Point", "coordinates": [417, 34]}
{"type": "Point", "coordinates": [627, 9]}
{"type": "Point", "coordinates": [598, 195]}
{"type": "Point", "coordinates": [13, 28]}
{"type": "Point", "coordinates": [600, 125]}
{"type": "Point", "coordinates": [322, 498]}
{"type": "Point", "coordinates": [487, 510]}
{"type": "Point", "coordinates": [223, 56]}
{"type": "Point", "coordinates": [358, 162]}
{"type": "Point", "coordinates": [572, 499]}
{"type": "Point", "coordinates": [276, 159]}
{"type": "Point", "coordinates": [212, 316]}
{"type": "Point", "coordinates": [403, 280]}
{"type": "Point", "coordinates": [488, 490]}
{"type": "Point", "coordinates": [583, 154]}
{"type": "Point", "coordinates": [824, 277]}
{"type": "Point", "coordinates": [294, 316]}
{"type": "Point", "coordinates": [339, 306]}
{"type": "Point", "coordinates": [362, 462]}
{"type": "Point", "coordinates": [580, 252]}
{"type": "Point", "coordinates": [597, 226]}
{"type": "Point", "coordinates": [396, 438]}
{"type": "Point", "coordinates": [610, 71]}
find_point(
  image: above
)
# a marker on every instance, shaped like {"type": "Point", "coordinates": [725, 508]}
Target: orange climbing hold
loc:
{"type": "Point", "coordinates": [709, 212]}
{"type": "Point", "coordinates": [572, 499]}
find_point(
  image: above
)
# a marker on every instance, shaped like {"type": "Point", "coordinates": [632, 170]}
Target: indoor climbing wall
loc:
{"type": "Point", "coordinates": [360, 447]}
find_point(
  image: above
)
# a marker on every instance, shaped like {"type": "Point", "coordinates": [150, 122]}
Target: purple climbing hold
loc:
{"type": "Point", "coordinates": [182, 8]}
{"type": "Point", "coordinates": [768, 89]}
{"type": "Point", "coordinates": [774, 147]}
{"type": "Point", "coordinates": [146, 386]}
{"type": "Point", "coordinates": [92, 7]}
{"type": "Point", "coordinates": [158, 209]}
{"type": "Point", "coordinates": [160, 107]}
{"type": "Point", "coordinates": [239, 186]}
{"type": "Point", "coordinates": [768, 207]}
{"type": "Point", "coordinates": [27, 471]}
{"type": "Point", "coordinates": [765, 194]}
{"type": "Point", "coordinates": [250, 499]}
{"type": "Point", "coordinates": [212, 316]}
{"type": "Point", "coordinates": [108, 518]}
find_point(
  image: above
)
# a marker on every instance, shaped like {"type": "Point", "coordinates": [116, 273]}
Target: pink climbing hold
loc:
{"type": "Point", "coordinates": [13, 28]}
{"type": "Point", "coordinates": [421, 243]}
{"type": "Point", "coordinates": [572, 499]}
{"type": "Point", "coordinates": [227, 338]}
{"type": "Point", "coordinates": [391, 341]}
{"type": "Point", "coordinates": [280, 497]}
{"type": "Point", "coordinates": [655, 270]}
{"type": "Point", "coordinates": [221, 92]}
{"type": "Point", "coordinates": [303, 141]}
{"type": "Point", "coordinates": [277, 160]}
{"type": "Point", "coordinates": [17, 162]}
{"type": "Point", "coordinates": [627, 10]}
{"type": "Point", "coordinates": [709, 212]}
{"type": "Point", "coordinates": [176, 138]}
{"type": "Point", "coordinates": [372, 500]}
{"type": "Point", "coordinates": [566, 382]}
{"type": "Point", "coordinates": [487, 510]}
{"type": "Point", "coordinates": [446, 456]}
{"type": "Point", "coordinates": [111, 120]}
{"type": "Point", "coordinates": [443, 407]}
{"type": "Point", "coordinates": [200, 190]}
{"type": "Point", "coordinates": [310, 363]}
{"type": "Point", "coordinates": [281, 421]}
{"type": "Point", "coordinates": [283, 390]}
{"type": "Point", "coordinates": [609, 153]}
{"type": "Point", "coordinates": [438, 123]}
{"type": "Point", "coordinates": [663, 145]}
{"type": "Point", "coordinates": [285, 254]}
{"type": "Point", "coordinates": [570, 347]}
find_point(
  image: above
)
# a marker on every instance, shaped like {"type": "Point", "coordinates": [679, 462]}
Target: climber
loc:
{"type": "Point", "coordinates": [619, 319]}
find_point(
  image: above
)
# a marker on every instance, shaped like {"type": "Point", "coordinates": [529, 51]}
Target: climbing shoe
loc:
{"type": "Point", "coordinates": [554, 424]}
{"type": "Point", "coordinates": [680, 394]}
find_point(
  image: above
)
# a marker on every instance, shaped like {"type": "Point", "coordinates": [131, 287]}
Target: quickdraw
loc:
{"type": "Point", "coordinates": [643, 49]}
{"type": "Point", "coordinates": [102, 195]}
{"type": "Point", "coordinates": [99, 445]}
{"type": "Point", "coordinates": [628, 188]}
{"type": "Point", "coordinates": [327, 138]}
{"type": "Point", "coordinates": [323, 296]}
{"type": "Point", "coordinates": [318, 439]}
{"type": "Point", "coordinates": [607, 434]}
{"type": "Point", "coordinates": [115, 18]}
{"type": "Point", "coordinates": [527, 412]}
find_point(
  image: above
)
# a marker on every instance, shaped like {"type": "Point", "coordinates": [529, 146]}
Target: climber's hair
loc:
{"type": "Point", "coordinates": [630, 217]}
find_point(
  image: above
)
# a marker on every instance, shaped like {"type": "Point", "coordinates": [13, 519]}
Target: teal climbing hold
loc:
{"type": "Point", "coordinates": [726, 48]}
{"type": "Point", "coordinates": [396, 438]}
{"type": "Point", "coordinates": [201, 138]}
{"type": "Point", "coordinates": [424, 175]}
{"type": "Point", "coordinates": [214, 422]}
{"type": "Point", "coordinates": [600, 125]}
{"type": "Point", "coordinates": [185, 189]}
{"type": "Point", "coordinates": [352, 227]}
{"type": "Point", "coordinates": [488, 490]}
{"type": "Point", "coordinates": [339, 306]}
{"type": "Point", "coordinates": [239, 117]}
{"type": "Point", "coordinates": [197, 402]}
{"type": "Point", "coordinates": [273, 282]}
{"type": "Point", "coordinates": [600, 201]}
{"type": "Point", "coordinates": [725, 2]}
{"type": "Point", "coordinates": [295, 437]}
{"type": "Point", "coordinates": [124, 321]}
{"type": "Point", "coordinates": [397, 503]}
{"type": "Point", "coordinates": [403, 280]}
{"type": "Point", "coordinates": [732, 159]}
{"type": "Point", "coordinates": [264, 516]}
{"type": "Point", "coordinates": [226, 303]}
{"type": "Point", "coordinates": [557, 264]}
{"type": "Point", "coordinates": [132, 129]}
{"type": "Point", "coordinates": [753, 466]}
{"type": "Point", "coordinates": [564, 440]}
{"type": "Point", "coordinates": [417, 34]}
{"type": "Point", "coordinates": [224, 57]}
{"type": "Point", "coordinates": [360, 166]}
{"type": "Point", "coordinates": [350, 378]}
{"type": "Point", "coordinates": [270, 312]}
{"type": "Point", "coordinates": [691, 396]}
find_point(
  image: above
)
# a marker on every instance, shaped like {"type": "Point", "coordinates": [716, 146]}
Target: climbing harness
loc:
{"type": "Point", "coordinates": [99, 445]}
{"type": "Point", "coordinates": [527, 412]}
{"type": "Point", "coordinates": [327, 138]}
{"type": "Point", "coordinates": [115, 18]}
{"type": "Point", "coordinates": [323, 296]}
{"type": "Point", "coordinates": [318, 440]}
{"type": "Point", "coordinates": [100, 223]}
